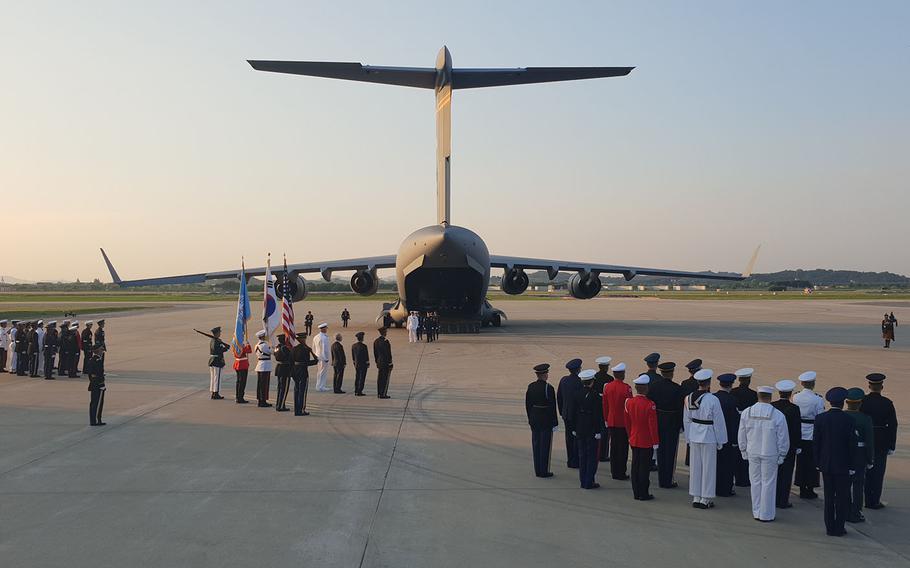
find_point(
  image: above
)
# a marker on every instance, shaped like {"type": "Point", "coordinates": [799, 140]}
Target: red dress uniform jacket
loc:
{"type": "Point", "coordinates": [242, 363]}
{"type": "Point", "coordinates": [614, 400]}
{"type": "Point", "coordinates": [641, 421]}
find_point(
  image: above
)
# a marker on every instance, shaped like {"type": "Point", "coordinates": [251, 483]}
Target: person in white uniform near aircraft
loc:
{"type": "Point", "coordinates": [321, 348]}
{"type": "Point", "coordinates": [412, 324]}
{"type": "Point", "coordinates": [764, 442]}
{"type": "Point", "coordinates": [706, 433]}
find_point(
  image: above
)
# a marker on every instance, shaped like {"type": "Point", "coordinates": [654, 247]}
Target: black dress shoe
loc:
{"type": "Point", "coordinates": [698, 505]}
{"type": "Point", "coordinates": [647, 498]}
{"type": "Point", "coordinates": [282, 409]}
{"type": "Point", "coordinates": [857, 519]}
{"type": "Point", "coordinates": [340, 392]}
{"type": "Point", "coordinates": [359, 394]}
{"type": "Point", "coordinates": [216, 396]}
{"type": "Point", "coordinates": [785, 506]}
{"type": "Point", "coordinates": [671, 486]}
{"type": "Point", "coordinates": [548, 474]}
{"type": "Point", "coordinates": [596, 485]}
{"type": "Point", "coordinates": [101, 424]}
{"type": "Point", "coordinates": [876, 506]}
{"type": "Point", "coordinates": [242, 401]}
{"type": "Point", "coordinates": [385, 396]}
{"type": "Point", "coordinates": [49, 379]}
{"type": "Point", "coordinates": [808, 495]}
{"type": "Point", "coordinates": [623, 478]}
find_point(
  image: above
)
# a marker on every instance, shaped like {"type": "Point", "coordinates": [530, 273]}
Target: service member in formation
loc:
{"type": "Point", "coordinates": [50, 349]}
{"type": "Point", "coordinates": [360, 357]}
{"type": "Point", "coordinates": [834, 442]}
{"type": "Point", "coordinates": [884, 431]}
{"type": "Point", "coordinates": [242, 369]}
{"type": "Point", "coordinates": [217, 349]}
{"type": "Point", "coordinates": [96, 386]}
{"type": "Point", "coordinates": [263, 353]}
{"type": "Point", "coordinates": [668, 398]}
{"type": "Point", "coordinates": [614, 403]}
{"type": "Point", "coordinates": [284, 365]}
{"type": "Point", "coordinates": [729, 456]}
{"type": "Point", "coordinates": [339, 362]}
{"type": "Point", "coordinates": [303, 359]}
{"type": "Point", "coordinates": [76, 350]}
{"type": "Point", "coordinates": [88, 340]}
{"type": "Point", "coordinates": [321, 348]}
{"type": "Point", "coordinates": [887, 331]}
{"type": "Point", "coordinates": [792, 414]}
{"type": "Point", "coordinates": [100, 338]}
{"type": "Point", "coordinates": [21, 349]}
{"type": "Point", "coordinates": [745, 397]}
{"type": "Point", "coordinates": [764, 443]}
{"type": "Point", "coordinates": [41, 332]}
{"type": "Point", "coordinates": [706, 433]}
{"type": "Point", "coordinates": [652, 360]}
{"type": "Point", "coordinates": [586, 410]}
{"type": "Point", "coordinates": [345, 316]}
{"type": "Point", "coordinates": [34, 347]}
{"type": "Point", "coordinates": [12, 354]}
{"type": "Point", "coordinates": [863, 454]}
{"type": "Point", "coordinates": [4, 344]}
{"type": "Point", "coordinates": [601, 380]}
{"type": "Point", "coordinates": [382, 354]}
{"type": "Point", "coordinates": [640, 416]}
{"type": "Point", "coordinates": [810, 404]}
{"type": "Point", "coordinates": [63, 342]}
{"type": "Point", "coordinates": [308, 323]}
{"type": "Point", "coordinates": [568, 386]}
{"type": "Point", "coordinates": [689, 386]}
{"type": "Point", "coordinates": [540, 405]}
{"type": "Point", "coordinates": [411, 324]}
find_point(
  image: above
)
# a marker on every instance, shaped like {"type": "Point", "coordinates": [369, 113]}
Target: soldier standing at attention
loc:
{"type": "Point", "coordinates": [34, 346]}
{"type": "Point", "coordinates": [728, 457]}
{"type": "Point", "coordinates": [706, 432]}
{"type": "Point", "coordinates": [884, 432]}
{"type": "Point", "coordinates": [303, 358]}
{"type": "Point", "coordinates": [21, 349]}
{"type": "Point", "coordinates": [4, 344]}
{"type": "Point", "coordinates": [689, 386]}
{"type": "Point", "coordinates": [50, 349]}
{"type": "Point", "coordinates": [640, 416]}
{"type": "Point", "coordinates": [834, 441]}
{"type": "Point", "coordinates": [308, 323]}
{"type": "Point", "coordinates": [382, 354]}
{"type": "Point", "coordinates": [360, 357]}
{"type": "Point", "coordinates": [601, 380]}
{"type": "Point", "coordinates": [614, 403]}
{"type": "Point", "coordinates": [283, 367]}
{"type": "Point", "coordinates": [887, 331]}
{"type": "Point", "coordinates": [41, 332]}
{"type": "Point", "coordinates": [321, 349]}
{"type": "Point", "coordinates": [88, 340]}
{"type": "Point", "coordinates": [345, 316]}
{"type": "Point", "coordinates": [764, 442]}
{"type": "Point", "coordinates": [242, 369]}
{"type": "Point", "coordinates": [263, 353]}
{"type": "Point", "coordinates": [745, 397]}
{"type": "Point", "coordinates": [792, 415]}
{"type": "Point", "coordinates": [96, 386]}
{"type": "Point", "coordinates": [217, 349]}
{"type": "Point", "coordinates": [76, 338]}
{"type": "Point", "coordinates": [540, 406]}
{"type": "Point", "coordinates": [339, 362]}
{"type": "Point", "coordinates": [652, 360]}
{"type": "Point", "coordinates": [810, 404]}
{"type": "Point", "coordinates": [668, 398]}
{"type": "Point", "coordinates": [863, 455]}
{"type": "Point", "coordinates": [11, 346]}
{"type": "Point", "coordinates": [99, 338]}
{"type": "Point", "coordinates": [586, 409]}
{"type": "Point", "coordinates": [565, 392]}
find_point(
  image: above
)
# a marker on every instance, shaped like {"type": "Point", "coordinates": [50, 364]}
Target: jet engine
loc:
{"type": "Point", "coordinates": [297, 287]}
{"type": "Point", "coordinates": [584, 285]}
{"type": "Point", "coordinates": [514, 281]}
{"type": "Point", "coordinates": [365, 282]}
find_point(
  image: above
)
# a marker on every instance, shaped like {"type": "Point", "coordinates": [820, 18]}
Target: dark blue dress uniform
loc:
{"type": "Point", "coordinates": [884, 433]}
{"type": "Point", "coordinates": [303, 358]}
{"type": "Point", "coordinates": [833, 441]}
{"type": "Point", "coordinates": [863, 454]}
{"type": "Point", "coordinates": [668, 398]}
{"type": "Point", "coordinates": [601, 379]}
{"type": "Point", "coordinates": [568, 386]}
{"type": "Point", "coordinates": [284, 365]}
{"type": "Point", "coordinates": [728, 457]}
{"type": "Point", "coordinates": [586, 412]}
{"type": "Point", "coordinates": [745, 397]}
{"type": "Point", "coordinates": [785, 470]}
{"type": "Point", "coordinates": [96, 386]}
{"type": "Point", "coordinates": [540, 405]}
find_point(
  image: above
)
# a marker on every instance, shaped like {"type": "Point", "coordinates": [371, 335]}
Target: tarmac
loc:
{"type": "Point", "coordinates": [441, 474]}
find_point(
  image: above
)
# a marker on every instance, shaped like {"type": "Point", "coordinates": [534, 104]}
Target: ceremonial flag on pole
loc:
{"type": "Point", "coordinates": [270, 316]}
{"type": "Point", "coordinates": [244, 312]}
{"type": "Point", "coordinates": [287, 307]}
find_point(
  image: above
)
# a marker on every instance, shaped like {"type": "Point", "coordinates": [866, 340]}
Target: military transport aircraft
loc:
{"type": "Point", "coordinates": [442, 268]}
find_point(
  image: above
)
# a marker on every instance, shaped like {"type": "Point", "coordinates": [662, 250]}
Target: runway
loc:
{"type": "Point", "coordinates": [440, 475]}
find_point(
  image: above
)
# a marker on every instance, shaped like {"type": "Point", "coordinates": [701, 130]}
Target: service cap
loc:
{"type": "Point", "coordinates": [619, 368]}
{"type": "Point", "coordinates": [726, 378]}
{"type": "Point", "coordinates": [745, 372]}
{"type": "Point", "coordinates": [40, 322]}
{"type": "Point", "coordinates": [261, 333]}
{"type": "Point", "coordinates": [855, 394]}
{"type": "Point", "coordinates": [668, 366]}
{"type": "Point", "coordinates": [3, 322]}
{"type": "Point", "coordinates": [323, 325]}
{"type": "Point", "coordinates": [574, 365]}
{"type": "Point", "coordinates": [359, 335]}
{"type": "Point", "coordinates": [652, 358]}
{"type": "Point", "coordinates": [15, 322]}
{"type": "Point", "coordinates": [587, 374]}
{"type": "Point", "coordinates": [693, 365]}
{"type": "Point", "coordinates": [642, 380]}
{"type": "Point", "coordinates": [785, 385]}
{"type": "Point", "coordinates": [542, 368]}
{"type": "Point", "coordinates": [75, 323]}
{"type": "Point", "coordinates": [875, 378]}
{"type": "Point", "coordinates": [88, 322]}
{"type": "Point", "coordinates": [807, 377]}
{"type": "Point", "coordinates": [100, 322]}
{"type": "Point", "coordinates": [766, 390]}
{"type": "Point", "coordinates": [603, 360]}
{"type": "Point", "coordinates": [52, 323]}
{"type": "Point", "coordinates": [216, 329]}
{"type": "Point", "coordinates": [302, 334]}
{"type": "Point", "coordinates": [703, 375]}
{"type": "Point", "coordinates": [281, 337]}
{"type": "Point", "coordinates": [836, 396]}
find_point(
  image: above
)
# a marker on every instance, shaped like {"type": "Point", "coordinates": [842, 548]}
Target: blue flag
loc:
{"type": "Point", "coordinates": [243, 315]}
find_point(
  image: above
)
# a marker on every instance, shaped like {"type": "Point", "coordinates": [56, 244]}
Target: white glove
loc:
{"type": "Point", "coordinates": [852, 472]}
{"type": "Point", "coordinates": [745, 457]}
{"type": "Point", "coordinates": [720, 447]}
{"type": "Point", "coordinates": [555, 429]}
{"type": "Point", "coordinates": [656, 446]}
{"type": "Point", "coordinates": [869, 466]}
{"type": "Point", "coordinates": [799, 451]}
{"type": "Point", "coordinates": [890, 452]}
{"type": "Point", "coordinates": [780, 460]}
{"type": "Point", "coordinates": [573, 433]}
{"type": "Point", "coordinates": [597, 436]}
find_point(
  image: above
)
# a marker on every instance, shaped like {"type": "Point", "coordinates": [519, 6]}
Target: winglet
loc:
{"type": "Point", "coordinates": [748, 272]}
{"type": "Point", "coordinates": [114, 276]}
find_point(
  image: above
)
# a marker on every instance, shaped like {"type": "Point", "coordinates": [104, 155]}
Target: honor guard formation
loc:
{"type": "Point", "coordinates": [735, 437]}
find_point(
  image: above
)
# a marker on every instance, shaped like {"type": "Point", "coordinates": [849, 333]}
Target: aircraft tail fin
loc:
{"type": "Point", "coordinates": [749, 267]}
{"type": "Point", "coordinates": [110, 267]}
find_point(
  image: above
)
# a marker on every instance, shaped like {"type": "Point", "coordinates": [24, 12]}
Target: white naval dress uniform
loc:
{"type": "Point", "coordinates": [706, 431]}
{"type": "Point", "coordinates": [321, 350]}
{"type": "Point", "coordinates": [4, 342]}
{"type": "Point", "coordinates": [263, 357]}
{"type": "Point", "coordinates": [40, 332]}
{"type": "Point", "coordinates": [810, 404]}
{"type": "Point", "coordinates": [764, 442]}
{"type": "Point", "coordinates": [11, 350]}
{"type": "Point", "coordinates": [412, 324]}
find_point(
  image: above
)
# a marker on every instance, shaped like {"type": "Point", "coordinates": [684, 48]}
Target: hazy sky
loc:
{"type": "Point", "coordinates": [139, 127]}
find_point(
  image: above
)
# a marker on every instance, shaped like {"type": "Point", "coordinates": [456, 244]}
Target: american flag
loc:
{"type": "Point", "coordinates": [287, 308]}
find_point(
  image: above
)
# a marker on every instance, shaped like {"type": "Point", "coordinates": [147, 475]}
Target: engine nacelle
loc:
{"type": "Point", "coordinates": [365, 282]}
{"type": "Point", "coordinates": [584, 286]}
{"type": "Point", "coordinates": [297, 286]}
{"type": "Point", "coordinates": [514, 281]}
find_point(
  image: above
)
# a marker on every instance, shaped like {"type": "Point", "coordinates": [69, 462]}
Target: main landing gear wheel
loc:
{"type": "Point", "coordinates": [496, 320]}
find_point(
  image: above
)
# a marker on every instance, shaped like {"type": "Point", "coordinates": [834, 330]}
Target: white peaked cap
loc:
{"type": "Point", "coordinates": [744, 372]}
{"type": "Point", "coordinates": [785, 385]}
{"type": "Point", "coordinates": [75, 322]}
{"type": "Point", "coordinates": [89, 322]}
{"type": "Point", "coordinates": [3, 321]}
{"type": "Point", "coordinates": [642, 380]}
{"type": "Point", "coordinates": [40, 322]}
{"type": "Point", "coordinates": [703, 375]}
{"type": "Point", "coordinates": [619, 367]}
{"type": "Point", "coordinates": [323, 325]}
{"type": "Point", "coordinates": [52, 322]}
{"type": "Point", "coordinates": [587, 374]}
{"type": "Point", "coordinates": [261, 333]}
{"type": "Point", "coordinates": [766, 390]}
{"type": "Point", "coordinates": [603, 360]}
{"type": "Point", "coordinates": [807, 377]}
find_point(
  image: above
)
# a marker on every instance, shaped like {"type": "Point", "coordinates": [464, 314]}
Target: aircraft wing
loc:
{"type": "Point", "coordinates": [553, 267]}
{"type": "Point", "coordinates": [421, 77]}
{"type": "Point", "coordinates": [325, 269]}
{"type": "Point", "coordinates": [474, 78]}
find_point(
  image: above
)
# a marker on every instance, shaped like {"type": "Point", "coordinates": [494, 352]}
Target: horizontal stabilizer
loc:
{"type": "Point", "coordinates": [421, 77]}
{"type": "Point", "coordinates": [474, 78]}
